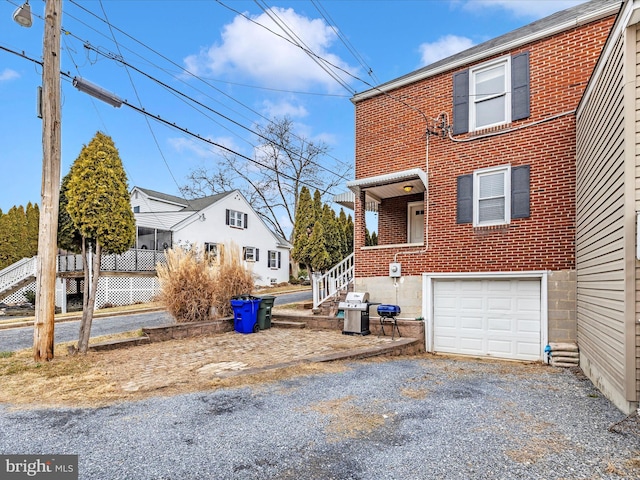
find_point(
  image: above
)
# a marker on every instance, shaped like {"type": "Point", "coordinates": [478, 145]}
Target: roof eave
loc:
{"type": "Point", "coordinates": [607, 10]}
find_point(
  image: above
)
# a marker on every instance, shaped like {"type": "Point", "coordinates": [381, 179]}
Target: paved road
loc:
{"type": "Point", "coordinates": [19, 338]}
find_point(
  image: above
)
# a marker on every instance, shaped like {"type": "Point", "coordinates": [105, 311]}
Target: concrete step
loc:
{"type": "Point", "coordinates": [287, 324]}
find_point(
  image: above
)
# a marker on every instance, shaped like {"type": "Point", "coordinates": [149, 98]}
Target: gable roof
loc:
{"type": "Point", "coordinates": [545, 27]}
{"type": "Point", "coordinates": [189, 205]}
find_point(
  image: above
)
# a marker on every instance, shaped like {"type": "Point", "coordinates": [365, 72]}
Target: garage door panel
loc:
{"type": "Point", "coordinates": [496, 304]}
{"type": "Point", "coordinates": [472, 345]}
{"type": "Point", "coordinates": [471, 323]}
{"type": "Point", "coordinates": [500, 348]}
{"type": "Point", "coordinates": [499, 325]}
{"type": "Point", "coordinates": [498, 318]}
{"type": "Point", "coordinates": [528, 326]}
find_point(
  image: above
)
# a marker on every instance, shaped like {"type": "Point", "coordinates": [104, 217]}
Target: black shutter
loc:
{"type": "Point", "coordinates": [520, 192]}
{"type": "Point", "coordinates": [464, 206]}
{"type": "Point", "coordinates": [257, 254]}
{"type": "Point", "coordinates": [461, 102]}
{"type": "Point", "coordinates": [227, 218]}
{"type": "Point", "coordinates": [279, 259]}
{"type": "Point", "coordinates": [246, 218]}
{"type": "Point", "coordinates": [244, 252]}
{"type": "Point", "coordinates": [520, 91]}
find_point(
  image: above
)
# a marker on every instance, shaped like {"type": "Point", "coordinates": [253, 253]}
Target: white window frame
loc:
{"type": "Point", "coordinates": [236, 219]}
{"type": "Point", "coordinates": [249, 253]}
{"type": "Point", "coordinates": [505, 63]}
{"type": "Point", "coordinates": [477, 175]}
{"type": "Point", "coordinates": [273, 259]}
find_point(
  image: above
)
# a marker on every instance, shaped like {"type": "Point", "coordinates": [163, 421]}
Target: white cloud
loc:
{"type": "Point", "coordinates": [8, 74]}
{"type": "Point", "coordinates": [443, 47]}
{"type": "Point", "coordinates": [523, 8]}
{"type": "Point", "coordinates": [250, 51]}
{"type": "Point", "coordinates": [283, 109]}
{"type": "Point", "coordinates": [200, 149]}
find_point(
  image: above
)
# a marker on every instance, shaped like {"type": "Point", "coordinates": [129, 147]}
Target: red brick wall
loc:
{"type": "Point", "coordinates": [390, 137]}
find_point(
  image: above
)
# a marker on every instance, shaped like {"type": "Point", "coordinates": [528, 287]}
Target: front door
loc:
{"type": "Point", "coordinates": [416, 223]}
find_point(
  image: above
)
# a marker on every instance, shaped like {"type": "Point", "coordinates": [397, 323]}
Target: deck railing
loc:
{"type": "Point", "coordinates": [134, 260]}
{"type": "Point", "coordinates": [18, 272]}
{"type": "Point", "coordinates": [326, 285]}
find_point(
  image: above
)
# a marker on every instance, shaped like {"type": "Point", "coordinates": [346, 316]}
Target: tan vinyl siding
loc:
{"type": "Point", "coordinates": [600, 234]}
{"type": "Point", "coordinates": [637, 206]}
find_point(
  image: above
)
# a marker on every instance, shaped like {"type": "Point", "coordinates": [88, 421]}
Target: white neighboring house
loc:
{"type": "Point", "coordinates": [164, 221]}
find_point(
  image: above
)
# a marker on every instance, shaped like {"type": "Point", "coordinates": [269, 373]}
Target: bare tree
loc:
{"type": "Point", "coordinates": [271, 181]}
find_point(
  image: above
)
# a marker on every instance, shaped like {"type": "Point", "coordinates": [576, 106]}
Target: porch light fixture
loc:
{"type": "Point", "coordinates": [407, 188]}
{"type": "Point", "coordinates": [22, 15]}
{"type": "Point", "coordinates": [97, 92]}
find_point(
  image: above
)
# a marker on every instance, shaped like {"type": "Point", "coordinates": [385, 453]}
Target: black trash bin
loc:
{"type": "Point", "coordinates": [264, 312]}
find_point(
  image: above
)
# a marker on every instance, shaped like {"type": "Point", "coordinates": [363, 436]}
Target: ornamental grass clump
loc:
{"type": "Point", "coordinates": [192, 282]}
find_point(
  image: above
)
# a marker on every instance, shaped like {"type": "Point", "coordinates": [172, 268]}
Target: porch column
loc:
{"type": "Point", "coordinates": [360, 221]}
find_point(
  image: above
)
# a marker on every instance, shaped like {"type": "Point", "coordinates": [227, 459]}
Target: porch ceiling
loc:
{"type": "Point", "coordinates": [384, 186]}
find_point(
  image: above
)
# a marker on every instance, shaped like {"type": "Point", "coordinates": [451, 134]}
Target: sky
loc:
{"type": "Point", "coordinates": [219, 69]}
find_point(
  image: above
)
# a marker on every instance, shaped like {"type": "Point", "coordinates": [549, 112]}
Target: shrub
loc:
{"type": "Point", "coordinates": [191, 283]}
{"type": "Point", "coordinates": [30, 295]}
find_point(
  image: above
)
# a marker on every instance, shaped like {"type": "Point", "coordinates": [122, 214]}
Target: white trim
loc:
{"type": "Point", "coordinates": [355, 185]}
{"type": "Point", "coordinates": [507, 195]}
{"type": "Point", "coordinates": [410, 205]}
{"type": "Point", "coordinates": [427, 298]}
{"type": "Point", "coordinates": [505, 63]}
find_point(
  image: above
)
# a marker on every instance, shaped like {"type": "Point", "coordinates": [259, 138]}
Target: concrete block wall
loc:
{"type": "Point", "coordinates": [561, 298]}
{"type": "Point", "coordinates": [405, 292]}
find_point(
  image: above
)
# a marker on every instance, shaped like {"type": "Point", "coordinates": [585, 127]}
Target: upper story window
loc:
{"type": "Point", "coordinates": [493, 93]}
{"type": "Point", "coordinates": [493, 196]}
{"type": "Point", "coordinates": [136, 209]}
{"type": "Point", "coordinates": [236, 219]}
{"type": "Point", "coordinates": [490, 95]}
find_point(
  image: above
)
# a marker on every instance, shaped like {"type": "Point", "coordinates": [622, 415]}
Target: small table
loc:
{"type": "Point", "coordinates": [394, 326]}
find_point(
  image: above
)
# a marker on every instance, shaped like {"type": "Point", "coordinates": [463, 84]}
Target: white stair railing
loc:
{"type": "Point", "coordinates": [18, 272]}
{"type": "Point", "coordinates": [326, 285]}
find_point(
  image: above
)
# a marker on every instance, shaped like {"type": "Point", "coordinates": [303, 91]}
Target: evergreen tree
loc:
{"type": "Point", "coordinates": [320, 258]}
{"type": "Point", "coordinates": [302, 229]}
{"type": "Point", "coordinates": [374, 238]}
{"type": "Point", "coordinates": [33, 222]}
{"type": "Point", "coordinates": [100, 207]}
{"type": "Point", "coordinates": [69, 237]}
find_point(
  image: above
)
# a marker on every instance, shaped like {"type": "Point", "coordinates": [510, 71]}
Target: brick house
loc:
{"type": "Point", "coordinates": [470, 164]}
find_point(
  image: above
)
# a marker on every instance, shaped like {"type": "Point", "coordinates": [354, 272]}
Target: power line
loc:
{"type": "Point", "coordinates": [191, 99]}
{"type": "Point", "coordinates": [187, 72]}
{"type": "Point", "coordinates": [298, 42]}
{"type": "Point", "coordinates": [323, 12]}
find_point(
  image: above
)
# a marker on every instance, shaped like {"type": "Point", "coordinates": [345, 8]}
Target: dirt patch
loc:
{"type": "Point", "coordinates": [348, 420]}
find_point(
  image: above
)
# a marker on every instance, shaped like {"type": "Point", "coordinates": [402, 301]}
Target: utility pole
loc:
{"type": "Point", "coordinates": [50, 192]}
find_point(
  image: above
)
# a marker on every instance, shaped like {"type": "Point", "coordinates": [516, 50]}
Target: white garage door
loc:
{"type": "Point", "coordinates": [497, 318]}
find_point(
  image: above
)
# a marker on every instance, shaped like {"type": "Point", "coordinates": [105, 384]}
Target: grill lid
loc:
{"type": "Point", "coordinates": [355, 301]}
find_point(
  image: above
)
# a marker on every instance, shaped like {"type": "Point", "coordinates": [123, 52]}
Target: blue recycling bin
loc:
{"type": "Point", "coordinates": [245, 313]}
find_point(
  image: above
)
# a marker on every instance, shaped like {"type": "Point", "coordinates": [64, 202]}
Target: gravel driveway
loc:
{"type": "Point", "coordinates": [408, 418]}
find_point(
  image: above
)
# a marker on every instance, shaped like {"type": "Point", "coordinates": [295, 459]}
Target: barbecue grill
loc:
{"type": "Point", "coordinates": [356, 313]}
{"type": "Point", "coordinates": [388, 314]}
